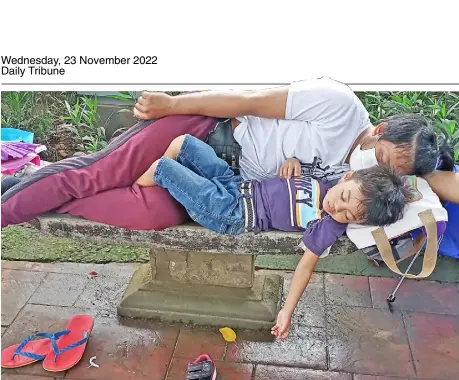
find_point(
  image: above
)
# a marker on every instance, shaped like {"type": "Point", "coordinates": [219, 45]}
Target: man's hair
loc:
{"type": "Point", "coordinates": [415, 138]}
{"type": "Point", "coordinates": [384, 195]}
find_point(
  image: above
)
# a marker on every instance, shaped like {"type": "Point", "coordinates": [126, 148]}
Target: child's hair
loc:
{"type": "Point", "coordinates": [384, 195]}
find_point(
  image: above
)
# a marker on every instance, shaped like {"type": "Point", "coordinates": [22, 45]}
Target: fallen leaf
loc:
{"type": "Point", "coordinates": [92, 275]}
{"type": "Point", "coordinates": [228, 334]}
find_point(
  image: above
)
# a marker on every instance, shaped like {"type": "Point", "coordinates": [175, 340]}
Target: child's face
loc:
{"type": "Point", "coordinates": [343, 201]}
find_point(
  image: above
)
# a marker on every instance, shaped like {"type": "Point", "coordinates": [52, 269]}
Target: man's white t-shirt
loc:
{"type": "Point", "coordinates": [323, 119]}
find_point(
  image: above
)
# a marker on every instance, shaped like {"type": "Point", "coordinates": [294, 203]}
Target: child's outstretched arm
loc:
{"type": "Point", "coordinates": [301, 277]}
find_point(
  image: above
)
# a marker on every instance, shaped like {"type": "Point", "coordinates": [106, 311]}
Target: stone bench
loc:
{"type": "Point", "coordinates": [194, 274]}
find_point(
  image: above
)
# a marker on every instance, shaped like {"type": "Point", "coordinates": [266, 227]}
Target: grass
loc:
{"type": "Point", "coordinates": [29, 244]}
{"type": "Point", "coordinates": [356, 263]}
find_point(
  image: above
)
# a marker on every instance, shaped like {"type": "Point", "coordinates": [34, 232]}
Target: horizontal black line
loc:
{"type": "Point", "coordinates": [141, 84]}
{"type": "Point", "coordinates": [216, 83]}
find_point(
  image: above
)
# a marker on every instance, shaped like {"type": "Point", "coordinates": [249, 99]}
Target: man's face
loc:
{"type": "Point", "coordinates": [343, 202]}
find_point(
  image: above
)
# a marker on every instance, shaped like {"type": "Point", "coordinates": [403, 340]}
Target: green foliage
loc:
{"type": "Point", "coordinates": [84, 123]}
{"type": "Point", "coordinates": [39, 111]}
{"type": "Point", "coordinates": [26, 110]}
{"type": "Point", "coordinates": [125, 96]}
{"type": "Point", "coordinates": [442, 108]}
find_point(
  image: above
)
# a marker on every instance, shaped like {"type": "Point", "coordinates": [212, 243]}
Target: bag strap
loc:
{"type": "Point", "coordinates": [418, 243]}
{"type": "Point", "coordinates": [430, 254]}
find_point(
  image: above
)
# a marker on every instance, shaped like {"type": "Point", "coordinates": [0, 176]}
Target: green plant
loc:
{"type": "Point", "coordinates": [36, 112]}
{"type": "Point", "coordinates": [83, 113]}
{"type": "Point", "coordinates": [125, 96]}
{"type": "Point", "coordinates": [25, 110]}
{"type": "Point", "coordinates": [95, 141]}
{"type": "Point", "coordinates": [83, 122]}
{"type": "Point", "coordinates": [441, 108]}
{"type": "Point", "coordinates": [128, 97]}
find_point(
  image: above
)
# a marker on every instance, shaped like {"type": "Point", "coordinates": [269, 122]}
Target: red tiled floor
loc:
{"type": "Point", "coordinates": [419, 296]}
{"type": "Point", "coordinates": [368, 341]}
{"type": "Point", "coordinates": [264, 372]}
{"type": "Point", "coordinates": [314, 294]}
{"type": "Point", "coordinates": [225, 371]}
{"type": "Point", "coordinates": [347, 290]}
{"type": "Point", "coordinates": [38, 318]}
{"type": "Point", "coordinates": [59, 289]}
{"type": "Point", "coordinates": [434, 341]}
{"type": "Point", "coordinates": [305, 347]}
{"type": "Point", "coordinates": [193, 342]}
{"type": "Point", "coordinates": [310, 310]}
{"type": "Point", "coordinates": [371, 377]}
{"type": "Point", "coordinates": [56, 267]}
{"type": "Point", "coordinates": [11, 376]}
{"type": "Point", "coordinates": [18, 265]}
{"type": "Point", "coordinates": [17, 287]}
{"type": "Point", "coordinates": [127, 349]}
{"type": "Point", "coordinates": [104, 292]}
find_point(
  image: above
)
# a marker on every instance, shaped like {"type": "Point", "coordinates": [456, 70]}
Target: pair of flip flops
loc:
{"type": "Point", "coordinates": [59, 351]}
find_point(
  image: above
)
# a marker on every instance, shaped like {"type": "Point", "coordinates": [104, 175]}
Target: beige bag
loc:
{"type": "Point", "coordinates": [424, 211]}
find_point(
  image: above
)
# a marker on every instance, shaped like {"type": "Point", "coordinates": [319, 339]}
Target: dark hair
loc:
{"type": "Point", "coordinates": [414, 134]}
{"type": "Point", "coordinates": [446, 154]}
{"type": "Point", "coordinates": [384, 195]}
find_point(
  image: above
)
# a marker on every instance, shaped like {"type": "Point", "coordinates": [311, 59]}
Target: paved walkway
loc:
{"type": "Point", "coordinates": [343, 330]}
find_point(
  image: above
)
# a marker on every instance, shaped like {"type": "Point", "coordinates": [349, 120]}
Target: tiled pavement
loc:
{"type": "Point", "coordinates": [342, 330]}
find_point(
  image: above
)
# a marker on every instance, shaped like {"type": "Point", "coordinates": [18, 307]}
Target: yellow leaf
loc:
{"type": "Point", "coordinates": [228, 334]}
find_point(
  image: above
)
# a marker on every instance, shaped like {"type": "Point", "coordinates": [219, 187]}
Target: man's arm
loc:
{"type": "Point", "coordinates": [445, 185]}
{"type": "Point", "coordinates": [301, 277]}
{"type": "Point", "coordinates": [268, 103]}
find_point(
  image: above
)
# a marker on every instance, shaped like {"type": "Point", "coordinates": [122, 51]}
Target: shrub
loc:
{"type": "Point", "coordinates": [442, 108]}
{"type": "Point", "coordinates": [33, 111]}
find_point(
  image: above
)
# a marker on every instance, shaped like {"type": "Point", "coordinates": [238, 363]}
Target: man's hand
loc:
{"type": "Point", "coordinates": [283, 324]}
{"type": "Point", "coordinates": [153, 105]}
{"type": "Point", "coordinates": [289, 168]}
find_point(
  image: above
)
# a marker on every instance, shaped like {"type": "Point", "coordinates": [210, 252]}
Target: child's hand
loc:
{"type": "Point", "coordinates": [290, 168]}
{"type": "Point", "coordinates": [282, 327]}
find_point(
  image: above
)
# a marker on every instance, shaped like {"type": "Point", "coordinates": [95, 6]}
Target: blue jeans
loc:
{"type": "Point", "coordinates": [205, 185]}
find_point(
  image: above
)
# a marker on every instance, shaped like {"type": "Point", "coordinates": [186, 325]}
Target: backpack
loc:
{"type": "Point", "coordinates": [422, 227]}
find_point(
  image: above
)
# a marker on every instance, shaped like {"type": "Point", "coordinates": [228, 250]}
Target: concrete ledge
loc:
{"type": "Point", "coordinates": [187, 237]}
{"type": "Point", "coordinates": [195, 275]}
{"type": "Point", "coordinates": [250, 308]}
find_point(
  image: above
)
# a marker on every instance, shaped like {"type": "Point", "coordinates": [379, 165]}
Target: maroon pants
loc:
{"type": "Point", "coordinates": [99, 186]}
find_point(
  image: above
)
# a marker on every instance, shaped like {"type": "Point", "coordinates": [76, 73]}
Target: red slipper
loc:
{"type": "Point", "coordinates": [68, 350]}
{"type": "Point", "coordinates": [29, 351]}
